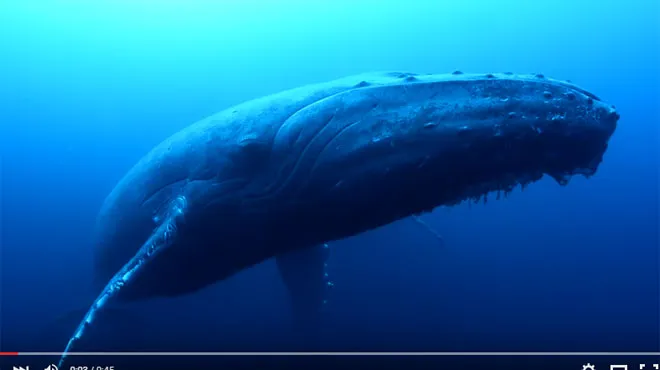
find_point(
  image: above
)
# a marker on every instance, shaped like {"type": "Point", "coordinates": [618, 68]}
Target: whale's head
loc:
{"type": "Point", "coordinates": [419, 141]}
{"type": "Point", "coordinates": [513, 129]}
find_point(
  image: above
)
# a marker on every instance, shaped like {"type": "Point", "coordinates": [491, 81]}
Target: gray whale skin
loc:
{"type": "Point", "coordinates": [282, 175]}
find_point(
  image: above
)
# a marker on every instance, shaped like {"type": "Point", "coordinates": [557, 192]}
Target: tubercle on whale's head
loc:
{"type": "Point", "coordinates": [468, 135]}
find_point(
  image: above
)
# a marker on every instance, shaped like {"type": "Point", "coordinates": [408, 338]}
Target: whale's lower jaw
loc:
{"type": "Point", "coordinates": [402, 190]}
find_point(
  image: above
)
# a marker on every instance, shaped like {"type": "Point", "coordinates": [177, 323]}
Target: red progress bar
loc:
{"type": "Point", "coordinates": [8, 353]}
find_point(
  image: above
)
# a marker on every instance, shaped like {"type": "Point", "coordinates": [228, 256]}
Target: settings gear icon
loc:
{"type": "Point", "coordinates": [588, 366]}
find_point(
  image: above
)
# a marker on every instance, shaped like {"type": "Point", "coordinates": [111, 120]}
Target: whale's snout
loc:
{"type": "Point", "coordinates": [610, 118]}
{"type": "Point", "coordinates": [574, 135]}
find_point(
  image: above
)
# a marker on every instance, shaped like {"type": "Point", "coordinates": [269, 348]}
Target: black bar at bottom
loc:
{"type": "Point", "coordinates": [576, 362]}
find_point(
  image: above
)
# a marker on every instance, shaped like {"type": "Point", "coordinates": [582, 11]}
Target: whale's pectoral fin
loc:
{"type": "Point", "coordinates": [304, 272]}
{"type": "Point", "coordinates": [160, 240]}
{"type": "Point", "coordinates": [418, 220]}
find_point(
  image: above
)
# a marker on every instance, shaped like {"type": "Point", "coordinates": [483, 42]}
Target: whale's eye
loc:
{"type": "Point", "coordinates": [251, 151]}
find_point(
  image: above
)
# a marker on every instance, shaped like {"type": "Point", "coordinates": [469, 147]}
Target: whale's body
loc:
{"type": "Point", "coordinates": [283, 174]}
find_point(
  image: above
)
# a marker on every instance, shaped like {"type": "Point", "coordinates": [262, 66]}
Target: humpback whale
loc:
{"type": "Point", "coordinates": [280, 176]}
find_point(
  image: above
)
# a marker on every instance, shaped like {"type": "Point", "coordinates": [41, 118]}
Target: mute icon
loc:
{"type": "Point", "coordinates": [51, 367]}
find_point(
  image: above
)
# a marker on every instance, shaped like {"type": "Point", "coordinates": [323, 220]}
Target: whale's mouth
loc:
{"type": "Point", "coordinates": [499, 165]}
{"type": "Point", "coordinates": [479, 180]}
{"type": "Point", "coordinates": [506, 184]}
{"type": "Point", "coordinates": [501, 188]}
{"type": "Point", "coordinates": [572, 145]}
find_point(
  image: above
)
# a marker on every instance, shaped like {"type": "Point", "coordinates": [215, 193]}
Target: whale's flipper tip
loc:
{"type": "Point", "coordinates": [304, 272]}
{"type": "Point", "coordinates": [114, 324]}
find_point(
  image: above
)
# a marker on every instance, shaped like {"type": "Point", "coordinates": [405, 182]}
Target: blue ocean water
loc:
{"type": "Point", "coordinates": [87, 88]}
